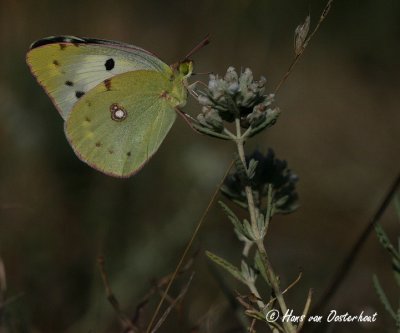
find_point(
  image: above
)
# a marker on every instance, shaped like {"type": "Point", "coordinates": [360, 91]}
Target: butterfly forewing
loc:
{"type": "Point", "coordinates": [69, 67]}
{"type": "Point", "coordinates": [118, 125]}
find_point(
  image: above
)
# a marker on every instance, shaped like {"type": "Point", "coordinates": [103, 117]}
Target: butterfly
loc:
{"type": "Point", "coordinates": [118, 101]}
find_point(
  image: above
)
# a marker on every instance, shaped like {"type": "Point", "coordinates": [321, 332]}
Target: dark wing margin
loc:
{"type": "Point", "coordinates": [84, 40]}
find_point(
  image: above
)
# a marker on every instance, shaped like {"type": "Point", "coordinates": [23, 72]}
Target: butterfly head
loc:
{"type": "Point", "coordinates": [185, 68]}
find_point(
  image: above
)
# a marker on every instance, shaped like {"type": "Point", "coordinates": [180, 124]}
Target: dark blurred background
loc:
{"type": "Point", "coordinates": [339, 131]}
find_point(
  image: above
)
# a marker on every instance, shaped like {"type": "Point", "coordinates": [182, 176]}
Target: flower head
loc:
{"type": "Point", "coordinates": [236, 96]}
{"type": "Point", "coordinates": [268, 171]}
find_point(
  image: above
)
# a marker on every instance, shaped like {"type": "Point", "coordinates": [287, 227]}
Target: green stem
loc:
{"type": "Point", "coordinates": [273, 279]}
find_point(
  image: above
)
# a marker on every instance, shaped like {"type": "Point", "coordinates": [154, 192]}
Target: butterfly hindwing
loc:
{"type": "Point", "coordinates": [69, 67]}
{"type": "Point", "coordinates": [118, 125]}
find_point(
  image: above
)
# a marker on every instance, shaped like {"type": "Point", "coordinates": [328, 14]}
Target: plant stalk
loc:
{"type": "Point", "coordinates": [253, 211]}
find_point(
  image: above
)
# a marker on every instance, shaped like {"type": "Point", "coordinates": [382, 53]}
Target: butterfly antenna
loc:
{"type": "Point", "coordinates": [202, 73]}
{"type": "Point", "coordinates": [199, 46]}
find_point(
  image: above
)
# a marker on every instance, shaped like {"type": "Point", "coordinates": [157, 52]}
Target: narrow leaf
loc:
{"type": "Point", "coordinates": [234, 271]}
{"type": "Point", "coordinates": [204, 130]}
{"type": "Point", "coordinates": [385, 242]}
{"type": "Point", "coordinates": [255, 314]}
{"type": "Point", "coordinates": [397, 206]}
{"type": "Point", "coordinates": [398, 320]}
{"type": "Point", "coordinates": [258, 263]}
{"type": "Point", "coordinates": [249, 230]}
{"type": "Point", "coordinates": [388, 246]}
{"type": "Point", "coordinates": [245, 270]}
{"type": "Point", "coordinates": [248, 273]}
{"type": "Point", "coordinates": [240, 203]}
{"type": "Point", "coordinates": [261, 225]}
{"type": "Point", "coordinates": [382, 296]}
{"type": "Point", "coordinates": [396, 271]}
{"type": "Point", "coordinates": [234, 219]}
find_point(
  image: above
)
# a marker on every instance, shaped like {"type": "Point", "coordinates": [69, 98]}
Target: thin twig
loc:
{"type": "Point", "coordinates": [305, 311]}
{"type": "Point", "coordinates": [290, 286]}
{"type": "Point", "coordinates": [3, 287]}
{"type": "Point", "coordinates": [172, 305]}
{"type": "Point", "coordinates": [348, 261]}
{"type": "Point", "coordinates": [287, 288]}
{"type": "Point", "coordinates": [3, 281]}
{"type": "Point", "coordinates": [157, 286]}
{"type": "Point", "coordinates": [300, 53]}
{"type": "Point", "coordinates": [126, 323]}
{"type": "Point", "coordinates": [185, 252]}
{"type": "Point", "coordinates": [251, 328]}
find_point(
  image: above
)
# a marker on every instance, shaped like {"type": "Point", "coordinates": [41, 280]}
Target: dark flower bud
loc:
{"type": "Point", "coordinates": [269, 171]}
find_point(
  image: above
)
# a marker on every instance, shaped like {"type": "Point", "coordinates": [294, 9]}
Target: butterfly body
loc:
{"type": "Point", "coordinates": [118, 100]}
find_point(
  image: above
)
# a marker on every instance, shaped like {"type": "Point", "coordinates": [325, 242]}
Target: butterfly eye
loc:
{"type": "Point", "coordinates": [186, 67]}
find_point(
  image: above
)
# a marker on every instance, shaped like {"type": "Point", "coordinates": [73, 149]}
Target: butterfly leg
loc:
{"type": "Point", "coordinates": [187, 118]}
{"type": "Point", "coordinates": [226, 135]}
{"type": "Point", "coordinates": [191, 88]}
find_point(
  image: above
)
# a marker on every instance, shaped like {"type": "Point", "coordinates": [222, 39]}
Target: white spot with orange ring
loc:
{"type": "Point", "coordinates": [118, 113]}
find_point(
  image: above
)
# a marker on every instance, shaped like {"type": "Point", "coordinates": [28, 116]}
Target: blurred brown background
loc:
{"type": "Point", "coordinates": [339, 131]}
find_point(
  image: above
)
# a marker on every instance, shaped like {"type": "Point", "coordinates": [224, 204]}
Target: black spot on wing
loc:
{"type": "Point", "coordinates": [56, 63]}
{"type": "Point", "coordinates": [69, 83]}
{"type": "Point", "coordinates": [79, 94]}
{"type": "Point", "coordinates": [109, 64]}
